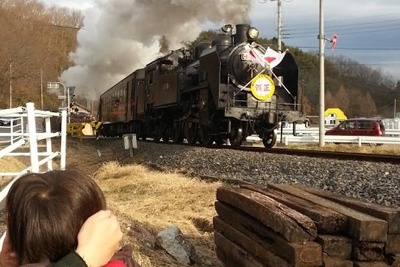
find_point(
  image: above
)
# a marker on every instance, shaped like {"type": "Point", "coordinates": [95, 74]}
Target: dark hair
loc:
{"type": "Point", "coordinates": [46, 212]}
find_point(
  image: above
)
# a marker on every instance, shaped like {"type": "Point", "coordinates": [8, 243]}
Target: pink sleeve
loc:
{"type": "Point", "coordinates": [115, 263]}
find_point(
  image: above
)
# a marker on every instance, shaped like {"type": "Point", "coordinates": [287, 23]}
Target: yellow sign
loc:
{"type": "Point", "coordinates": [335, 112]}
{"type": "Point", "coordinates": [262, 87]}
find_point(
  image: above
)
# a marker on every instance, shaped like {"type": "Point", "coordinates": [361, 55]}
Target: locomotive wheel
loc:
{"type": "Point", "coordinates": [140, 132]}
{"type": "Point", "coordinates": [140, 136]}
{"type": "Point", "coordinates": [165, 137]}
{"type": "Point", "coordinates": [219, 141]}
{"type": "Point", "coordinates": [157, 136]}
{"type": "Point", "coordinates": [206, 138]}
{"type": "Point", "coordinates": [160, 133]}
{"type": "Point", "coordinates": [236, 135]}
{"type": "Point", "coordinates": [191, 130]}
{"type": "Point", "coordinates": [166, 134]}
{"type": "Point", "coordinates": [177, 135]}
{"type": "Point", "coordinates": [270, 139]}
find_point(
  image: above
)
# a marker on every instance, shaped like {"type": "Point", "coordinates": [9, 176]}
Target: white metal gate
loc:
{"type": "Point", "coordinates": [22, 131]}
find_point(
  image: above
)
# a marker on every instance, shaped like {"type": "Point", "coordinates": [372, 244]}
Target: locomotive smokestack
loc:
{"type": "Point", "coordinates": [241, 33]}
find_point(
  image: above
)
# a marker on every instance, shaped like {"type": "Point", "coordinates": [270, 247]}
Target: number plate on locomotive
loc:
{"type": "Point", "coordinates": [245, 56]}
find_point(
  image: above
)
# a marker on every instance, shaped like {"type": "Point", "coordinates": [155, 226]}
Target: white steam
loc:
{"type": "Point", "coordinates": [120, 36]}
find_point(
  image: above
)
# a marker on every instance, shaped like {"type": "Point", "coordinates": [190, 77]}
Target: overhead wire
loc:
{"type": "Point", "coordinates": [353, 25]}
{"type": "Point", "coordinates": [348, 27]}
{"type": "Point", "coordinates": [375, 25]}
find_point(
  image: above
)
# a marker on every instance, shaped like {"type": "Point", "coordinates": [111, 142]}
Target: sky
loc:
{"type": "Point", "coordinates": [368, 30]}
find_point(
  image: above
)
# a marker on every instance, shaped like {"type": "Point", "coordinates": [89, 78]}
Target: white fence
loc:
{"type": "Point", "coordinates": [335, 139]}
{"type": "Point", "coordinates": [311, 135]}
{"type": "Point", "coordinates": [22, 132]}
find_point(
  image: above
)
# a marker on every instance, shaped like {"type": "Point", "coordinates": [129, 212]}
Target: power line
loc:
{"type": "Point", "coordinates": [366, 23]}
{"type": "Point", "coordinates": [358, 27]}
{"type": "Point", "coordinates": [377, 49]}
{"type": "Point", "coordinates": [345, 27]}
{"type": "Point", "coordinates": [359, 30]}
{"type": "Point", "coordinates": [377, 28]}
{"type": "Point", "coordinates": [367, 18]}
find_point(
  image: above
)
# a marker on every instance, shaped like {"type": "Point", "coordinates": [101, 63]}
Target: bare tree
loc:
{"type": "Point", "coordinates": [34, 48]}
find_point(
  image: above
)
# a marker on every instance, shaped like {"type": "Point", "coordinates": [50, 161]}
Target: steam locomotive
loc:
{"type": "Point", "coordinates": [223, 90]}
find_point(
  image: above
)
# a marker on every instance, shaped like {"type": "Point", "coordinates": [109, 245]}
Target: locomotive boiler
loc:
{"type": "Point", "coordinates": [224, 90]}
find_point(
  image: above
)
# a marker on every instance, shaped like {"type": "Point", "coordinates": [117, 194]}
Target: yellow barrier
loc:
{"type": "Point", "coordinates": [83, 128]}
{"type": "Point", "coordinates": [75, 128]}
{"type": "Point", "coordinates": [96, 125]}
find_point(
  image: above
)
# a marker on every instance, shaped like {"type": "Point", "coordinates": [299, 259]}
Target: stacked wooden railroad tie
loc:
{"type": "Point", "coordinates": [284, 225]}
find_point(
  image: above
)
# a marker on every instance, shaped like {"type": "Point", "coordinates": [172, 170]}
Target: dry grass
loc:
{"type": "Point", "coordinates": [145, 201]}
{"type": "Point", "coordinates": [10, 164]}
{"type": "Point", "coordinates": [151, 201]}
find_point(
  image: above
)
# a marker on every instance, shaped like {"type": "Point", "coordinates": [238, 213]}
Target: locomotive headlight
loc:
{"type": "Point", "coordinates": [227, 28]}
{"type": "Point", "coordinates": [253, 33]}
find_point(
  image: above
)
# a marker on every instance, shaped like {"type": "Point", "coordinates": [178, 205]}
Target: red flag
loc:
{"type": "Point", "coordinates": [273, 58]}
{"type": "Point", "coordinates": [333, 41]}
{"type": "Point", "coordinates": [255, 55]}
{"type": "Point", "coordinates": [270, 58]}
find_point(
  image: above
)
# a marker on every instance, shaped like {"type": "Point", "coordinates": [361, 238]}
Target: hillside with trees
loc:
{"type": "Point", "coordinates": [34, 50]}
{"type": "Point", "coordinates": [36, 42]}
{"type": "Point", "coordinates": [357, 89]}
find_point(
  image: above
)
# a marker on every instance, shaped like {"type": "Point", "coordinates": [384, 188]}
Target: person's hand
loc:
{"type": "Point", "coordinates": [8, 258]}
{"type": "Point", "coordinates": [98, 238]}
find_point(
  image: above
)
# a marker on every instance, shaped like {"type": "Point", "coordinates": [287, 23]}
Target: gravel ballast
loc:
{"type": "Point", "coordinates": [375, 182]}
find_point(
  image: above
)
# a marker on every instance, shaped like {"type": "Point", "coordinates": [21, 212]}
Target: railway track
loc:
{"type": "Point", "coordinates": [387, 158]}
{"type": "Point", "coordinates": [334, 155]}
{"type": "Point", "coordinates": [339, 155]}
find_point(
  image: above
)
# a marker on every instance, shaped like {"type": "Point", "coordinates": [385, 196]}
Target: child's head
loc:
{"type": "Point", "coordinates": [46, 212]}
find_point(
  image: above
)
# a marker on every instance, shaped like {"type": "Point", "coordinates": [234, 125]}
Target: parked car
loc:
{"type": "Point", "coordinates": [4, 122]}
{"type": "Point", "coordinates": [359, 127]}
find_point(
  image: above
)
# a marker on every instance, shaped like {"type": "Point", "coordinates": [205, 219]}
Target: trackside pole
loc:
{"type": "Point", "coordinates": [63, 150]}
{"type": "Point", "coordinates": [130, 142]}
{"type": "Point", "coordinates": [30, 108]}
{"type": "Point", "coordinates": [321, 75]}
{"type": "Point", "coordinates": [49, 148]}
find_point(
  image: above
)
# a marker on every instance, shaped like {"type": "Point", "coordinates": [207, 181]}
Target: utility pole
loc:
{"type": "Point", "coordinates": [10, 85]}
{"type": "Point", "coordinates": [70, 93]}
{"type": "Point", "coordinates": [279, 29]}
{"type": "Point", "coordinates": [41, 88]}
{"type": "Point", "coordinates": [321, 38]}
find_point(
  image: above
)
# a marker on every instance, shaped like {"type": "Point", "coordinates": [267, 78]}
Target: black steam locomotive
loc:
{"type": "Point", "coordinates": [224, 90]}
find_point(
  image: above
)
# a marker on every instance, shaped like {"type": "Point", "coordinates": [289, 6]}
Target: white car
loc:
{"type": "Point", "coordinates": [5, 122]}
